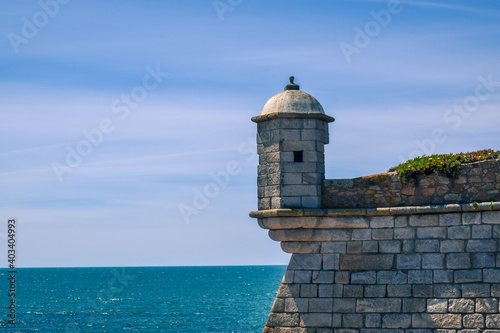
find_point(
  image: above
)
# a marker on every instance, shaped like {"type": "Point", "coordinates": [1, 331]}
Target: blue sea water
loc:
{"type": "Point", "coordinates": [141, 299]}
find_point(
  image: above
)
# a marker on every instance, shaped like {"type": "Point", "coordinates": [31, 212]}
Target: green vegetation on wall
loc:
{"type": "Point", "coordinates": [448, 164]}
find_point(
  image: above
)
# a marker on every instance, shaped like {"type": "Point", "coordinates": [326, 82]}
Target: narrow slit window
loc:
{"type": "Point", "coordinates": [298, 156]}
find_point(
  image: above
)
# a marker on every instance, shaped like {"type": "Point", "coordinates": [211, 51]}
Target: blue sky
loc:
{"type": "Point", "coordinates": [166, 90]}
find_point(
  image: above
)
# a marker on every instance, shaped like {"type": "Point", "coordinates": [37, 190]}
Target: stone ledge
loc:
{"type": "Point", "coordinates": [298, 115]}
{"type": "Point", "coordinates": [414, 210]}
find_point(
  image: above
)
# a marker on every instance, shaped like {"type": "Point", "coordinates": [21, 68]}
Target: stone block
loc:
{"type": "Point", "coordinates": [355, 247]}
{"type": "Point", "coordinates": [286, 202]}
{"type": "Point", "coordinates": [390, 246]}
{"type": "Point", "coordinates": [401, 221]}
{"type": "Point", "coordinates": [394, 320]}
{"type": "Point", "coordinates": [422, 290]}
{"type": "Point", "coordinates": [459, 232]}
{"type": "Point", "coordinates": [299, 167]}
{"type": "Point", "coordinates": [443, 276]}
{"type": "Point", "coordinates": [298, 190]}
{"type": "Point", "coordinates": [342, 277]}
{"type": "Point", "coordinates": [362, 234]}
{"type": "Point", "coordinates": [302, 276]}
{"type": "Point", "coordinates": [305, 261]}
{"type": "Point", "coordinates": [325, 290]}
{"type": "Point", "coordinates": [461, 305]}
{"type": "Point", "coordinates": [283, 320]}
{"type": "Point", "coordinates": [382, 222]}
{"type": "Point", "coordinates": [448, 246]}
{"type": "Point", "coordinates": [432, 232]}
{"type": "Point", "coordinates": [408, 261]}
{"type": "Point", "coordinates": [433, 260]}
{"type": "Point", "coordinates": [310, 202]}
{"type": "Point", "coordinates": [474, 290]}
{"type": "Point", "coordinates": [437, 305]}
{"type": "Point", "coordinates": [483, 260]}
{"type": "Point", "coordinates": [336, 322]}
{"type": "Point", "coordinates": [486, 305]}
{"type": "Point", "coordinates": [322, 276]}
{"type": "Point", "coordinates": [320, 305]}
{"type": "Point", "coordinates": [491, 275]}
{"type": "Point", "coordinates": [383, 234]}
{"type": "Point", "coordinates": [424, 220]}
{"type": "Point", "coordinates": [481, 245]}
{"type": "Point", "coordinates": [404, 233]}
{"type": "Point", "coordinates": [411, 305]}
{"type": "Point", "coordinates": [391, 277]}
{"type": "Point", "coordinates": [493, 321]}
{"type": "Point", "coordinates": [420, 276]}
{"type": "Point", "coordinates": [288, 290]}
{"type": "Point", "coordinates": [458, 261]}
{"type": "Point", "coordinates": [368, 277]}
{"type": "Point", "coordinates": [314, 135]}
{"type": "Point", "coordinates": [370, 246]}
{"type": "Point", "coordinates": [471, 218]}
{"type": "Point", "coordinates": [278, 305]}
{"type": "Point", "coordinates": [331, 261]}
{"type": "Point", "coordinates": [352, 320]}
{"type": "Point", "coordinates": [373, 320]}
{"type": "Point", "coordinates": [473, 321]}
{"type": "Point", "coordinates": [495, 290]}
{"type": "Point", "coordinates": [427, 245]}
{"type": "Point", "coordinates": [447, 291]}
{"type": "Point", "coordinates": [491, 217]}
{"type": "Point", "coordinates": [496, 231]}
{"type": "Point", "coordinates": [288, 278]}
{"type": "Point", "coordinates": [450, 219]}
{"type": "Point", "coordinates": [290, 178]}
{"type": "Point", "coordinates": [375, 291]}
{"type": "Point", "coordinates": [408, 245]}
{"type": "Point", "coordinates": [344, 305]}
{"type": "Point", "coordinates": [296, 305]}
{"type": "Point", "coordinates": [290, 145]}
{"type": "Point", "coordinates": [308, 290]}
{"type": "Point", "coordinates": [424, 320]}
{"type": "Point", "coordinates": [468, 276]}
{"type": "Point", "coordinates": [353, 291]}
{"type": "Point", "coordinates": [333, 247]}
{"type": "Point", "coordinates": [482, 231]}
{"type": "Point", "coordinates": [316, 320]}
{"type": "Point", "coordinates": [399, 290]}
{"type": "Point", "coordinates": [301, 247]}
{"type": "Point", "coordinates": [379, 305]}
{"type": "Point", "coordinates": [366, 262]}
{"type": "Point", "coordinates": [264, 203]}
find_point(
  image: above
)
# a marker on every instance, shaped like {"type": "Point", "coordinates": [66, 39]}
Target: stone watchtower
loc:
{"type": "Point", "coordinates": [374, 254]}
{"type": "Point", "coordinates": [291, 134]}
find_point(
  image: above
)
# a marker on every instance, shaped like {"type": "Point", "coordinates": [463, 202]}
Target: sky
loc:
{"type": "Point", "coordinates": [125, 132]}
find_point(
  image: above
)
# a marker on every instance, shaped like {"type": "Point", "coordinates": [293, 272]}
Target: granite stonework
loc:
{"type": "Point", "coordinates": [382, 270]}
{"type": "Point", "coordinates": [479, 181]}
{"type": "Point", "coordinates": [374, 255]}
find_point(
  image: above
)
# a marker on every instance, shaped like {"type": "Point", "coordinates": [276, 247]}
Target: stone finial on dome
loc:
{"type": "Point", "coordinates": [292, 100]}
{"type": "Point", "coordinates": [291, 85]}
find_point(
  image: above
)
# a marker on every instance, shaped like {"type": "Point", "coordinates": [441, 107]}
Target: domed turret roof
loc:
{"type": "Point", "coordinates": [292, 100]}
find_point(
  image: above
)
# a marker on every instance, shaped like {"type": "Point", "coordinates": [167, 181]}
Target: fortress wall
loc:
{"type": "Point", "coordinates": [383, 270]}
{"type": "Point", "coordinates": [479, 181]}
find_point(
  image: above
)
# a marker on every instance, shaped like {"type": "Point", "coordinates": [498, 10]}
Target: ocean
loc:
{"type": "Point", "coordinates": [141, 299]}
